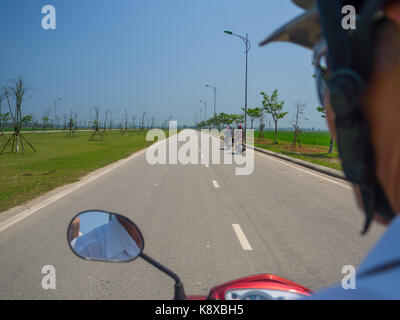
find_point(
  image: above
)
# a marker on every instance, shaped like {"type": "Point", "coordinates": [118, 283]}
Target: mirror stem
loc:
{"type": "Point", "coordinates": [179, 290]}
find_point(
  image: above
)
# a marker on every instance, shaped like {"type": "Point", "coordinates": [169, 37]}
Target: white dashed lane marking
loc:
{"type": "Point", "coordinates": [242, 238]}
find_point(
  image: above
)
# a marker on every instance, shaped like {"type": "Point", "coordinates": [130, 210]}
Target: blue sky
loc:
{"type": "Point", "coordinates": [154, 56]}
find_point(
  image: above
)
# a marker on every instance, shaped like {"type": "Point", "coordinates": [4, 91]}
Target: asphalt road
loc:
{"type": "Point", "coordinates": [300, 225]}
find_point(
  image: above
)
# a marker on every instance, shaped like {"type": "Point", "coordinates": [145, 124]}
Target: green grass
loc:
{"type": "Point", "coordinates": [314, 138]}
{"type": "Point", "coordinates": [59, 160]}
{"type": "Point", "coordinates": [315, 145]}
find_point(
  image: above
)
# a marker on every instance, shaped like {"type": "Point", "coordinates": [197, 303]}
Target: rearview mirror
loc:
{"type": "Point", "coordinates": [104, 236]}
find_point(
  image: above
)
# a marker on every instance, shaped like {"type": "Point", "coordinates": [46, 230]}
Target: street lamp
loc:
{"type": "Point", "coordinates": [215, 98]}
{"type": "Point", "coordinates": [205, 109]}
{"type": "Point", "coordinates": [247, 44]}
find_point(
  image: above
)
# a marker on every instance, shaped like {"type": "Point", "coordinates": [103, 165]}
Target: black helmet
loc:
{"type": "Point", "coordinates": [349, 53]}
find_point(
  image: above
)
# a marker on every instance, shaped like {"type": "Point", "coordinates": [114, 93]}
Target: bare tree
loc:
{"type": "Point", "coordinates": [105, 122]}
{"type": "Point", "coordinates": [71, 127]}
{"type": "Point", "coordinates": [16, 91]}
{"type": "Point", "coordinates": [65, 123]}
{"type": "Point", "coordinates": [45, 119]}
{"type": "Point", "coordinates": [76, 122]}
{"type": "Point", "coordinates": [96, 131]}
{"type": "Point", "coordinates": [296, 125]}
{"type": "Point", "coordinates": [144, 114]}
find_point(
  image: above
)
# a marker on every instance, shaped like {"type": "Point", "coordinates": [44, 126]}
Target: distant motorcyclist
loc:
{"type": "Point", "coordinates": [228, 138]}
{"type": "Point", "coordinates": [357, 69]}
{"type": "Point", "coordinates": [239, 142]}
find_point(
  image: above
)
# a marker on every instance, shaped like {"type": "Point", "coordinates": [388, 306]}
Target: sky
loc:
{"type": "Point", "coordinates": [153, 56]}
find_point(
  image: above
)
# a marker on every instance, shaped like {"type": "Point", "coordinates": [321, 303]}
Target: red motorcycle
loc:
{"type": "Point", "coordinates": [103, 236]}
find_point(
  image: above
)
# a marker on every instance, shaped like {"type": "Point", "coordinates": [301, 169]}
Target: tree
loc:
{"type": "Point", "coordinates": [274, 108]}
{"type": "Point", "coordinates": [133, 123]}
{"type": "Point", "coordinates": [35, 125]}
{"type": "Point", "coordinates": [65, 122]}
{"type": "Point", "coordinates": [262, 125]}
{"type": "Point", "coordinates": [237, 118]}
{"type": "Point", "coordinates": [16, 91]}
{"type": "Point", "coordinates": [45, 119]}
{"type": "Point", "coordinates": [299, 113]}
{"type": "Point", "coordinates": [253, 114]}
{"type": "Point", "coordinates": [96, 131]}
{"type": "Point", "coordinates": [202, 124]}
{"type": "Point", "coordinates": [225, 119]}
{"type": "Point", "coordinates": [144, 114]}
{"type": "Point", "coordinates": [4, 117]}
{"type": "Point", "coordinates": [27, 119]}
{"type": "Point", "coordinates": [105, 123]}
{"type": "Point", "coordinates": [322, 110]}
{"type": "Point", "coordinates": [71, 127]}
{"type": "Point", "coordinates": [76, 122]}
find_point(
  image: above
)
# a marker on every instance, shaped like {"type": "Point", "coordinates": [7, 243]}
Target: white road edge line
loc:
{"type": "Point", "coordinates": [73, 187]}
{"type": "Point", "coordinates": [343, 185]}
{"type": "Point", "coordinates": [242, 238]}
{"type": "Point", "coordinates": [215, 183]}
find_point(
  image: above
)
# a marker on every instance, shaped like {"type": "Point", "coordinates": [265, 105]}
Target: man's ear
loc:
{"type": "Point", "coordinates": [392, 11]}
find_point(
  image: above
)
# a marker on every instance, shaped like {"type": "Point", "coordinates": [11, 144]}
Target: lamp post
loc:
{"type": "Point", "coordinates": [215, 98]}
{"type": "Point", "coordinates": [247, 44]}
{"type": "Point", "coordinates": [205, 109]}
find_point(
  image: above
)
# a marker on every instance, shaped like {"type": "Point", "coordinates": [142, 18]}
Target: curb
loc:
{"type": "Point", "coordinates": [328, 171]}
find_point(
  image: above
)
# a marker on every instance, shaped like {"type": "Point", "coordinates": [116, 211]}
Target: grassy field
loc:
{"type": "Point", "coordinates": [315, 146]}
{"type": "Point", "coordinates": [59, 160]}
{"type": "Point", "coordinates": [315, 138]}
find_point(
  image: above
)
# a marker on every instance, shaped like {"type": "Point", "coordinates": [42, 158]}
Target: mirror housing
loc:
{"type": "Point", "coordinates": [104, 236]}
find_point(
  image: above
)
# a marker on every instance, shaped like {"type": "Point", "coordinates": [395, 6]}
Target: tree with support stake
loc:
{"type": "Point", "coordinates": [16, 90]}
{"type": "Point", "coordinates": [45, 119]}
{"type": "Point", "coordinates": [75, 123]}
{"type": "Point", "coordinates": [105, 123]}
{"type": "Point", "coordinates": [71, 126]}
{"type": "Point", "coordinates": [96, 132]}
{"type": "Point", "coordinates": [297, 131]}
{"type": "Point", "coordinates": [125, 119]}
{"type": "Point", "coordinates": [144, 114]}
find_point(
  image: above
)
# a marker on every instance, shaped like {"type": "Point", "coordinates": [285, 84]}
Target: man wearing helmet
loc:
{"type": "Point", "coordinates": [359, 85]}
